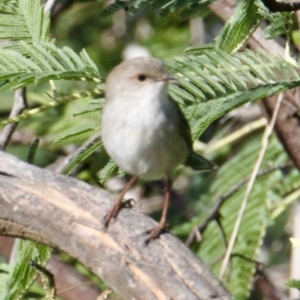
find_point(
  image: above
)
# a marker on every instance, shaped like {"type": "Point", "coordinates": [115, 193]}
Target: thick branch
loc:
{"type": "Point", "coordinates": [67, 213]}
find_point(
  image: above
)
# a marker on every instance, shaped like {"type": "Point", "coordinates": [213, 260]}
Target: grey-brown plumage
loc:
{"type": "Point", "coordinates": [143, 128]}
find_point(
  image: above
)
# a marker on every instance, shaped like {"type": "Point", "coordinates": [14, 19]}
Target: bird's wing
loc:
{"type": "Point", "coordinates": [199, 163]}
{"type": "Point", "coordinates": [194, 160]}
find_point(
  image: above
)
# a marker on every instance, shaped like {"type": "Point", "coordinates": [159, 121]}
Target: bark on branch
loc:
{"type": "Point", "coordinates": [66, 213]}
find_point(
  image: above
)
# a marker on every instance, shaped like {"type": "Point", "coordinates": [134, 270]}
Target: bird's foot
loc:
{"type": "Point", "coordinates": [114, 211]}
{"type": "Point", "coordinates": [128, 203]}
{"type": "Point", "coordinates": [155, 233]}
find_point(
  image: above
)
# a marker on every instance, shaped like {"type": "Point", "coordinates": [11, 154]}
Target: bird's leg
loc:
{"type": "Point", "coordinates": [113, 212]}
{"type": "Point", "coordinates": [161, 226]}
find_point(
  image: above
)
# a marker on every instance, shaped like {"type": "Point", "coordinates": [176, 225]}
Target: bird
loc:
{"type": "Point", "coordinates": [144, 130]}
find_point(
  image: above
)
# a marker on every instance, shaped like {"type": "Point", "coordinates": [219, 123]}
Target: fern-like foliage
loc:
{"type": "Point", "coordinates": [107, 171]}
{"type": "Point", "coordinates": [284, 194]}
{"type": "Point", "coordinates": [239, 28]}
{"type": "Point", "coordinates": [89, 149]}
{"type": "Point", "coordinates": [213, 82]}
{"type": "Point", "coordinates": [48, 281]}
{"type": "Point", "coordinates": [32, 151]}
{"type": "Point", "coordinates": [74, 132]}
{"type": "Point", "coordinates": [92, 106]}
{"type": "Point", "coordinates": [186, 7]}
{"type": "Point", "coordinates": [34, 58]}
{"type": "Point", "coordinates": [21, 273]}
{"type": "Point", "coordinates": [5, 270]}
{"type": "Point", "coordinates": [58, 101]}
{"type": "Point", "coordinates": [9, 6]}
{"type": "Point", "coordinates": [257, 216]}
{"type": "Point", "coordinates": [24, 20]}
{"type": "Point", "coordinates": [33, 63]}
{"type": "Point", "coordinates": [279, 23]}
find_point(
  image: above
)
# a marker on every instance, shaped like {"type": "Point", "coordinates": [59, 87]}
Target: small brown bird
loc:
{"type": "Point", "coordinates": [144, 130]}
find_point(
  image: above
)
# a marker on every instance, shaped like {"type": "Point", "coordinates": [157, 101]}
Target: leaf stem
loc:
{"type": "Point", "coordinates": [264, 145]}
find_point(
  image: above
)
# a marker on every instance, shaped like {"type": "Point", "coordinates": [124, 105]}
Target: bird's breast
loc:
{"type": "Point", "coordinates": [142, 140]}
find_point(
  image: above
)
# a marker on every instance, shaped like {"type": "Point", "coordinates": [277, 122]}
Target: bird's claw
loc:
{"type": "Point", "coordinates": [113, 213]}
{"type": "Point", "coordinates": [128, 203]}
{"type": "Point", "coordinates": [155, 233]}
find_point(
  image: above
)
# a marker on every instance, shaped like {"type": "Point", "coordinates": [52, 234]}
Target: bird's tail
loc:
{"type": "Point", "coordinates": [199, 163]}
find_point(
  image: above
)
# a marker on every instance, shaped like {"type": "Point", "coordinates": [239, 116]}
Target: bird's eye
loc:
{"type": "Point", "coordinates": [141, 77]}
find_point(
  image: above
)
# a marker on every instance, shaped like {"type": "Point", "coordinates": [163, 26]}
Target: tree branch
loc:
{"type": "Point", "coordinates": [276, 6]}
{"type": "Point", "coordinates": [67, 214]}
{"type": "Point", "coordinates": [20, 103]}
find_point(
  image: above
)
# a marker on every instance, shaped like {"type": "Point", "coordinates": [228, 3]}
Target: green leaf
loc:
{"type": "Point", "coordinates": [92, 106]}
{"type": "Point", "coordinates": [24, 64]}
{"type": "Point", "coordinates": [24, 20]}
{"type": "Point", "coordinates": [214, 82]}
{"type": "Point", "coordinates": [74, 132]}
{"type": "Point", "coordinates": [240, 26]}
{"type": "Point", "coordinates": [9, 6]}
{"type": "Point", "coordinates": [58, 101]}
{"type": "Point", "coordinates": [279, 22]}
{"type": "Point", "coordinates": [32, 151]}
{"type": "Point", "coordinates": [107, 171]}
{"type": "Point", "coordinates": [5, 271]}
{"type": "Point", "coordinates": [203, 114]}
{"type": "Point", "coordinates": [293, 283]}
{"type": "Point", "coordinates": [195, 9]}
{"type": "Point", "coordinates": [22, 274]}
{"type": "Point", "coordinates": [187, 8]}
{"type": "Point", "coordinates": [256, 218]}
{"type": "Point", "coordinates": [89, 149]}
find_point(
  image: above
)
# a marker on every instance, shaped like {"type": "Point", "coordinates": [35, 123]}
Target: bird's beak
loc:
{"type": "Point", "coordinates": [167, 78]}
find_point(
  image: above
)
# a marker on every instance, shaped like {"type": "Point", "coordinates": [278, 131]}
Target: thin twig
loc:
{"type": "Point", "coordinates": [20, 103]}
{"type": "Point", "coordinates": [280, 6]}
{"type": "Point", "coordinates": [198, 230]}
{"type": "Point", "coordinates": [265, 142]}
